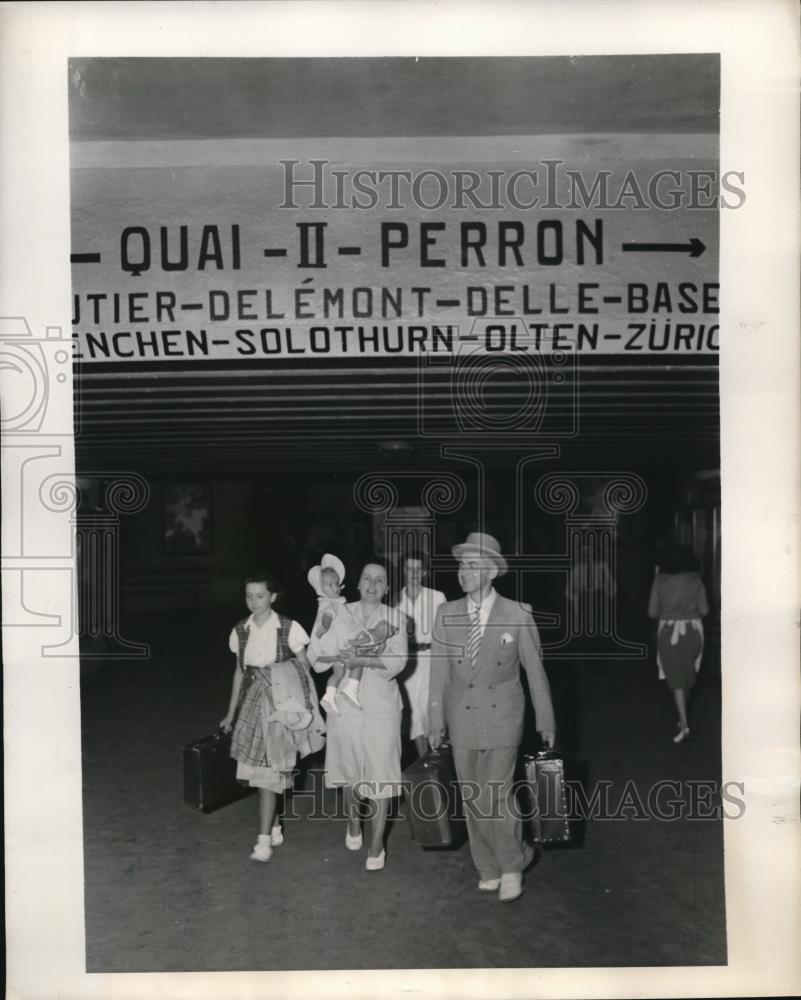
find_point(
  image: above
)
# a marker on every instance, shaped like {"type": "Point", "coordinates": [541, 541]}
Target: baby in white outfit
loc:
{"type": "Point", "coordinates": [333, 629]}
{"type": "Point", "coordinates": [336, 630]}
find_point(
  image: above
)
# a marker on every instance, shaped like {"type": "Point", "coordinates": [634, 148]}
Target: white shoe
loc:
{"type": "Point", "coordinates": [262, 851]}
{"type": "Point", "coordinates": [328, 701]}
{"type": "Point", "coordinates": [682, 735]}
{"type": "Point", "coordinates": [351, 691]}
{"type": "Point", "coordinates": [511, 887]}
{"type": "Point", "coordinates": [276, 836]}
{"type": "Point", "coordinates": [489, 884]}
{"type": "Point", "coordinates": [353, 843]}
{"type": "Point", "coordinates": [376, 864]}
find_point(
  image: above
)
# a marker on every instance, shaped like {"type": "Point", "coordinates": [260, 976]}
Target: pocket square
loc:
{"type": "Point", "coordinates": [506, 638]}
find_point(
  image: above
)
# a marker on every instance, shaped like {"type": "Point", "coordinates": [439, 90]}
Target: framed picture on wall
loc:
{"type": "Point", "coordinates": [187, 518]}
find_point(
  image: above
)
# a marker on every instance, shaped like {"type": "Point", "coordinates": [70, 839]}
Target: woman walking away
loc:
{"type": "Point", "coordinates": [678, 601]}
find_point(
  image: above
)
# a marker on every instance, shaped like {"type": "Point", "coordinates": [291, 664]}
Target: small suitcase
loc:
{"type": "Point", "coordinates": [545, 776]}
{"type": "Point", "coordinates": [433, 801]}
{"type": "Point", "coordinates": [210, 773]}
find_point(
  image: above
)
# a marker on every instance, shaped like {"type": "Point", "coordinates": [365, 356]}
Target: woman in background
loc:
{"type": "Point", "coordinates": [419, 604]}
{"type": "Point", "coordinates": [678, 601]}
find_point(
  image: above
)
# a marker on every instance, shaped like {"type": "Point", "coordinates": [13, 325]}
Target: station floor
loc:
{"type": "Point", "coordinates": [168, 888]}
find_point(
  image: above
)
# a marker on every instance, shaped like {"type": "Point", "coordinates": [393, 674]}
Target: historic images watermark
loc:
{"type": "Point", "coordinates": [664, 801]}
{"type": "Point", "coordinates": [471, 421]}
{"type": "Point", "coordinates": [34, 436]}
{"type": "Point", "coordinates": [547, 184]}
{"type": "Point", "coordinates": [467, 421]}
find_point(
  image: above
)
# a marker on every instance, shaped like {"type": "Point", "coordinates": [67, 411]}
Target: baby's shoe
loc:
{"type": "Point", "coordinates": [262, 851]}
{"type": "Point", "coordinates": [351, 691]}
{"type": "Point", "coordinates": [329, 700]}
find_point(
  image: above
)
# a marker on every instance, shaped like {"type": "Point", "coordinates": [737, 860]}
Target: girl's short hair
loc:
{"type": "Point", "coordinates": [269, 581]}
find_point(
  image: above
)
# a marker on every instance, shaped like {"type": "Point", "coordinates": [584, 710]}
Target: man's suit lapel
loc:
{"type": "Point", "coordinates": [457, 625]}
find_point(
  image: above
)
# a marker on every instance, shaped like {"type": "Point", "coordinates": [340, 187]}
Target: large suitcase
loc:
{"type": "Point", "coordinates": [545, 777]}
{"type": "Point", "coordinates": [210, 773]}
{"type": "Point", "coordinates": [433, 802]}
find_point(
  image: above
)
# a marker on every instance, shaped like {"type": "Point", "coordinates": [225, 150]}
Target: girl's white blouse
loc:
{"type": "Point", "coordinates": [263, 640]}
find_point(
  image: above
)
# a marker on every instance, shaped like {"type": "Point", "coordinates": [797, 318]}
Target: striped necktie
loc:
{"type": "Point", "coordinates": [474, 635]}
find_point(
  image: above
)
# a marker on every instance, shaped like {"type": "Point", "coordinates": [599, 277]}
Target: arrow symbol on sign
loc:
{"type": "Point", "coordinates": [694, 248]}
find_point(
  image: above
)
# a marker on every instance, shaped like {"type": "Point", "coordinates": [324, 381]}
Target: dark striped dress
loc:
{"type": "Point", "coordinates": [679, 601]}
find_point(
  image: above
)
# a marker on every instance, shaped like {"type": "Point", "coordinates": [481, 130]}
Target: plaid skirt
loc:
{"type": "Point", "coordinates": [248, 744]}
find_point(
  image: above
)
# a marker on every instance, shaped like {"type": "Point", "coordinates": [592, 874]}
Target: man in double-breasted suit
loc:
{"type": "Point", "coordinates": [478, 646]}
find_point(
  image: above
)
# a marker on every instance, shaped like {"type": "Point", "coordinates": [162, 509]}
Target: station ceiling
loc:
{"type": "Point", "coordinates": [343, 415]}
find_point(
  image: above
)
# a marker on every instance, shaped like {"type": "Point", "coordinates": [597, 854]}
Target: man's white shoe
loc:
{"type": "Point", "coordinates": [511, 887]}
{"type": "Point", "coordinates": [489, 884]}
{"type": "Point", "coordinates": [276, 836]}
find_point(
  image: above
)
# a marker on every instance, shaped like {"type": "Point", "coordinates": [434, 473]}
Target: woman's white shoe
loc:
{"type": "Point", "coordinates": [353, 843]}
{"type": "Point", "coordinates": [376, 864]}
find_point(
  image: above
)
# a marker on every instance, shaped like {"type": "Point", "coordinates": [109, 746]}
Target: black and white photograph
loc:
{"type": "Point", "coordinates": [398, 496]}
{"type": "Point", "coordinates": [518, 354]}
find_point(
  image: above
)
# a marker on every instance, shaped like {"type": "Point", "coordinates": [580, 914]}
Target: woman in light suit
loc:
{"type": "Point", "coordinates": [364, 746]}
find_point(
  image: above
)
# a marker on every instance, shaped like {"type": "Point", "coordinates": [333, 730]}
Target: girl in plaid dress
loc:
{"type": "Point", "coordinates": [274, 703]}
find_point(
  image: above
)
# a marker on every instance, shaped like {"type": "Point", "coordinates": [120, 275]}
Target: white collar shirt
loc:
{"type": "Point", "coordinates": [421, 610]}
{"type": "Point", "coordinates": [484, 608]}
